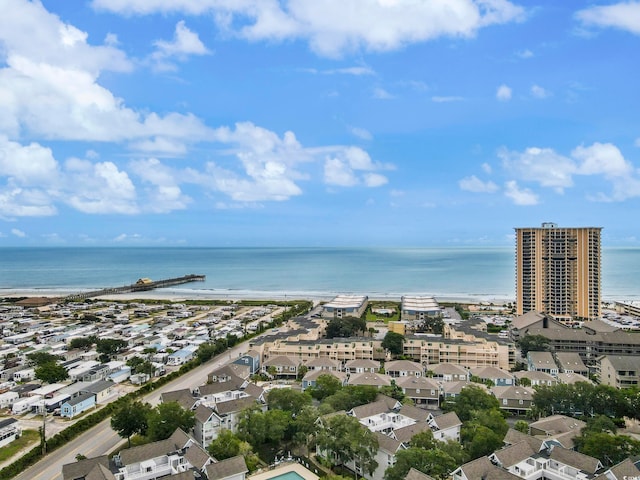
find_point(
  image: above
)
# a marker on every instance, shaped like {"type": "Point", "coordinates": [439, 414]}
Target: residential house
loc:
{"type": "Point", "coordinates": [498, 376]}
{"type": "Point", "coordinates": [281, 366]}
{"type": "Point", "coordinates": [102, 389]}
{"type": "Point", "coordinates": [516, 400]}
{"type": "Point", "coordinates": [571, 378]}
{"type": "Point", "coordinates": [422, 390]}
{"type": "Point", "coordinates": [403, 368]}
{"type": "Point", "coordinates": [233, 468]}
{"type": "Point", "coordinates": [557, 430]}
{"type": "Point", "coordinates": [571, 362]}
{"type": "Point", "coordinates": [182, 356]}
{"type": "Point", "coordinates": [88, 468]}
{"type": "Point", "coordinates": [450, 390]}
{"type": "Point", "coordinates": [449, 372]}
{"type": "Point", "coordinates": [372, 379]}
{"type": "Point", "coordinates": [542, 362]}
{"type": "Point", "coordinates": [361, 366]}
{"type": "Point", "coordinates": [382, 415]}
{"type": "Point", "coordinates": [177, 454]}
{"type": "Point", "coordinates": [77, 405]}
{"type": "Point", "coordinates": [9, 431]}
{"type": "Point", "coordinates": [537, 379]}
{"type": "Point", "coordinates": [619, 371]}
{"type": "Point", "coordinates": [482, 468]}
{"type": "Point", "coordinates": [229, 412]}
{"type": "Point", "coordinates": [183, 397]}
{"type": "Point", "coordinates": [414, 474]}
{"type": "Point", "coordinates": [207, 425]}
{"type": "Point", "coordinates": [324, 364]}
{"type": "Point", "coordinates": [251, 360]}
{"type": "Point", "coordinates": [445, 427]}
{"type": "Point", "coordinates": [625, 470]}
{"type": "Point", "coordinates": [311, 377]}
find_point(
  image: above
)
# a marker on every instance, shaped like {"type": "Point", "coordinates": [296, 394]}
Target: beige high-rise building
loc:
{"type": "Point", "coordinates": [558, 271]}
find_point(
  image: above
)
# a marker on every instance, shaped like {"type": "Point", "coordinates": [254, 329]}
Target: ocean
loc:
{"type": "Point", "coordinates": [455, 273]}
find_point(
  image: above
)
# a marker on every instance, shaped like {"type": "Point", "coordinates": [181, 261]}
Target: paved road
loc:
{"type": "Point", "coordinates": [101, 440]}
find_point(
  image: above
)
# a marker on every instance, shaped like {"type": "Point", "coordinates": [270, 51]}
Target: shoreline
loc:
{"type": "Point", "coordinates": [178, 296]}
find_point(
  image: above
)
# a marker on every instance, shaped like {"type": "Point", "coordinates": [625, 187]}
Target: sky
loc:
{"type": "Point", "coordinates": [316, 123]}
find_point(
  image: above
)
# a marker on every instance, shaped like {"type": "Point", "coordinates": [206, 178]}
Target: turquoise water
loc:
{"type": "Point", "coordinates": [474, 273]}
{"type": "Point", "coordinates": [288, 476]}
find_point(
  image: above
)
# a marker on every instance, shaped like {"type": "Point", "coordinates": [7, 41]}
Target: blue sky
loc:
{"type": "Point", "coordinates": [298, 122]}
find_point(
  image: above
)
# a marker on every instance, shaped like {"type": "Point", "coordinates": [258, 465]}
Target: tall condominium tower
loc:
{"type": "Point", "coordinates": [558, 271]}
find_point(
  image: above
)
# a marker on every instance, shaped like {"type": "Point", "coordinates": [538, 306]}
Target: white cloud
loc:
{"type": "Point", "coordinates": [446, 99]}
{"type": "Point", "coordinates": [381, 94]}
{"type": "Point", "coordinates": [637, 142]}
{"type": "Point", "coordinates": [539, 92]}
{"type": "Point", "coordinates": [371, 26]}
{"type": "Point", "coordinates": [519, 196]}
{"type": "Point", "coordinates": [525, 53]}
{"type": "Point", "coordinates": [621, 15]}
{"type": "Point", "coordinates": [503, 93]}
{"type": "Point", "coordinates": [474, 184]}
{"type": "Point", "coordinates": [541, 165]}
{"type": "Point", "coordinates": [549, 169]}
{"type": "Point", "coordinates": [337, 172]}
{"type": "Point", "coordinates": [49, 85]}
{"type": "Point", "coordinates": [18, 233]}
{"type": "Point", "coordinates": [185, 43]}
{"type": "Point", "coordinates": [164, 194]}
{"type": "Point", "coordinates": [353, 166]}
{"type": "Point", "coordinates": [355, 71]}
{"type": "Point", "coordinates": [486, 168]}
{"type": "Point", "coordinates": [362, 133]}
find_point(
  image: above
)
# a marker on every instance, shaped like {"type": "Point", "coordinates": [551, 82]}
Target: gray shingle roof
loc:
{"type": "Point", "coordinates": [227, 468]}
{"type": "Point", "coordinates": [177, 441]}
{"type": "Point", "coordinates": [576, 459]}
{"type": "Point", "coordinates": [414, 474]}
{"type": "Point", "coordinates": [81, 468]}
{"type": "Point", "coordinates": [509, 456]}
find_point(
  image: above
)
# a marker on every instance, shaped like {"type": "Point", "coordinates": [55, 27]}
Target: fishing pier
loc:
{"type": "Point", "coordinates": [141, 285]}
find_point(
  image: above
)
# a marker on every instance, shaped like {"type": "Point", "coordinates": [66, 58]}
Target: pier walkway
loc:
{"type": "Point", "coordinates": [141, 285]}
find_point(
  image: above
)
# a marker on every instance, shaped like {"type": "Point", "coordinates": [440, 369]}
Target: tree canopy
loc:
{"type": "Point", "coordinates": [40, 358]}
{"type": "Point", "coordinates": [345, 327]}
{"type": "Point", "coordinates": [532, 343]}
{"type": "Point", "coordinates": [164, 419]}
{"type": "Point", "coordinates": [288, 399]}
{"type": "Point", "coordinates": [470, 399]}
{"type": "Point", "coordinates": [434, 462]}
{"type": "Point", "coordinates": [51, 372]}
{"type": "Point", "coordinates": [131, 418]}
{"type": "Point", "coordinates": [393, 342]}
{"type": "Point", "coordinates": [343, 439]}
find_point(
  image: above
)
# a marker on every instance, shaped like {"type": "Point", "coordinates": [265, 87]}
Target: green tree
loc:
{"type": "Point", "coordinates": [288, 399]}
{"type": "Point", "coordinates": [131, 418]}
{"type": "Point", "coordinates": [351, 396]}
{"type": "Point", "coordinates": [434, 462]}
{"type": "Point", "coordinates": [345, 327]}
{"type": "Point", "coordinates": [525, 382]}
{"type": "Point", "coordinates": [82, 343]}
{"type": "Point", "coordinates": [609, 449]}
{"type": "Point", "coordinates": [326, 385]}
{"type": "Point", "coordinates": [164, 419]}
{"type": "Point", "coordinates": [532, 343]}
{"type": "Point", "coordinates": [521, 426]}
{"type": "Point", "coordinates": [40, 358]}
{"type": "Point", "coordinates": [258, 427]}
{"type": "Point", "coordinates": [479, 440]}
{"type": "Point", "coordinates": [423, 440]}
{"type": "Point", "coordinates": [472, 398]}
{"type": "Point", "coordinates": [393, 342]}
{"type": "Point", "coordinates": [342, 439]}
{"type": "Point", "coordinates": [225, 445]}
{"type": "Point", "coordinates": [51, 372]}
{"type": "Point", "coordinates": [109, 347]}
{"type": "Point", "coordinates": [305, 428]}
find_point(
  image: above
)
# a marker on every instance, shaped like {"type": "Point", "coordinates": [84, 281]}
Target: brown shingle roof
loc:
{"type": "Point", "coordinates": [414, 474]}
{"type": "Point", "coordinates": [576, 459]}
{"type": "Point", "coordinates": [509, 456]}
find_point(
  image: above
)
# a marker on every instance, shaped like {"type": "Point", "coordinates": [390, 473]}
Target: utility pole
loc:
{"type": "Point", "coordinates": [44, 428]}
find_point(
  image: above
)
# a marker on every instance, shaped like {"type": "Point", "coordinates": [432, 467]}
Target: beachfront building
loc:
{"type": "Point", "coordinates": [631, 307]}
{"type": "Point", "coordinates": [558, 271]}
{"type": "Point", "coordinates": [345, 306]}
{"type": "Point", "coordinates": [417, 308]}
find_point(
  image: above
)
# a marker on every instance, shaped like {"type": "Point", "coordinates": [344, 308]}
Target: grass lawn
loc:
{"type": "Point", "coordinates": [28, 438]}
